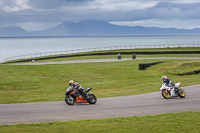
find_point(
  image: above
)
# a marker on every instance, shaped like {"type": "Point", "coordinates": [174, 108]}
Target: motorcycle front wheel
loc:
{"type": "Point", "coordinates": [69, 100]}
{"type": "Point", "coordinates": [166, 94]}
{"type": "Point", "coordinates": [92, 99]}
{"type": "Point", "coordinates": [181, 93]}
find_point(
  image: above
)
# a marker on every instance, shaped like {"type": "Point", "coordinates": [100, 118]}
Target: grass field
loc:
{"type": "Point", "coordinates": [48, 82]}
{"type": "Point", "coordinates": [186, 122]}
{"type": "Point", "coordinates": [25, 83]}
{"type": "Point", "coordinates": [19, 84]}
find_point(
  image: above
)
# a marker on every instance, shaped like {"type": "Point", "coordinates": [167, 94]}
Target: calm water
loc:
{"type": "Point", "coordinates": [10, 47]}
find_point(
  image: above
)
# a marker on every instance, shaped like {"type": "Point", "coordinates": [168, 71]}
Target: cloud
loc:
{"type": "Point", "coordinates": [186, 1]}
{"type": "Point", "coordinates": [57, 4]}
{"type": "Point", "coordinates": [34, 26]}
{"type": "Point", "coordinates": [14, 5]}
{"type": "Point", "coordinates": [174, 10]}
{"type": "Point", "coordinates": [126, 5]}
{"type": "Point", "coordinates": [164, 23]}
{"type": "Point", "coordinates": [45, 13]}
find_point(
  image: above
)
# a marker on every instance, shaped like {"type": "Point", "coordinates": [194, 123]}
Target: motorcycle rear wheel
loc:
{"type": "Point", "coordinates": [166, 94]}
{"type": "Point", "coordinates": [181, 93]}
{"type": "Point", "coordinates": [68, 101]}
{"type": "Point", "coordinates": [92, 99]}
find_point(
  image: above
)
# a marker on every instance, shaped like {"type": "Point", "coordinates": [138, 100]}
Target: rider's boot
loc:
{"type": "Point", "coordinates": [84, 94]}
{"type": "Point", "coordinates": [176, 90]}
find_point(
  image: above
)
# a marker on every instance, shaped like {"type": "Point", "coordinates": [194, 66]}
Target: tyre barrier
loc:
{"type": "Point", "coordinates": [189, 73]}
{"type": "Point", "coordinates": [143, 66]}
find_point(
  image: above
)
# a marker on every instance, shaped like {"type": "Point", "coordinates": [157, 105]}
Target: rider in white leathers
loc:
{"type": "Point", "coordinates": [168, 82]}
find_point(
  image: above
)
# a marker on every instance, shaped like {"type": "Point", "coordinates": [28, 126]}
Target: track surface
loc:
{"type": "Point", "coordinates": [102, 60]}
{"type": "Point", "coordinates": [135, 105]}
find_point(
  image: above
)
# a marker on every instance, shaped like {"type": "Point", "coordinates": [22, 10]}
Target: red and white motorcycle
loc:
{"type": "Point", "coordinates": [168, 92]}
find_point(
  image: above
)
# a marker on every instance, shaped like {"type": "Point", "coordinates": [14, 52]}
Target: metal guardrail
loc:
{"type": "Point", "coordinates": [28, 56]}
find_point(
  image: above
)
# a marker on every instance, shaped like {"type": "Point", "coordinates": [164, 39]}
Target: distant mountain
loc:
{"type": "Point", "coordinates": [12, 32]}
{"type": "Point", "coordinates": [95, 28]}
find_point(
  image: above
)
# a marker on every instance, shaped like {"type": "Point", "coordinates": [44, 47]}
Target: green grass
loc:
{"type": "Point", "coordinates": [26, 83]}
{"type": "Point", "coordinates": [19, 84]}
{"type": "Point", "coordinates": [187, 67]}
{"type": "Point", "coordinates": [186, 122]}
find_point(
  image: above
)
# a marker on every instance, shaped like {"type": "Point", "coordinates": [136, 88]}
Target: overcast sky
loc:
{"type": "Point", "coordinates": [42, 14]}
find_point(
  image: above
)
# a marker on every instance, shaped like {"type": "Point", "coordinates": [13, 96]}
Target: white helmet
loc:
{"type": "Point", "coordinates": [164, 77]}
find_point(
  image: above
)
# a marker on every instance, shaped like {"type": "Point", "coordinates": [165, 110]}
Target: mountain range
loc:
{"type": "Point", "coordinates": [94, 28]}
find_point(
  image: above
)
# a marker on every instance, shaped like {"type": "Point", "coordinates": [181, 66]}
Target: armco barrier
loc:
{"type": "Point", "coordinates": [106, 53]}
{"type": "Point", "coordinates": [30, 57]}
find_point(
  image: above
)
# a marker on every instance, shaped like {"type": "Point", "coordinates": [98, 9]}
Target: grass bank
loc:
{"type": "Point", "coordinates": [186, 122]}
{"type": "Point", "coordinates": [25, 83]}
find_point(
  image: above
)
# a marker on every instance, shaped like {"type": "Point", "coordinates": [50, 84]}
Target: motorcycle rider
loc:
{"type": "Point", "coordinates": [168, 82]}
{"type": "Point", "coordinates": [77, 86]}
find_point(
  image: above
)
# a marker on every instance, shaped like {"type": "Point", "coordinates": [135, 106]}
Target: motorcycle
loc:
{"type": "Point", "coordinates": [168, 92]}
{"type": "Point", "coordinates": [76, 96]}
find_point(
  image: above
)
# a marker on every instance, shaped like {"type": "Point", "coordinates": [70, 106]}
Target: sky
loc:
{"type": "Point", "coordinates": [33, 15]}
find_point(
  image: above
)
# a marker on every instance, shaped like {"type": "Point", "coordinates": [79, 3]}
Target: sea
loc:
{"type": "Point", "coordinates": [17, 46]}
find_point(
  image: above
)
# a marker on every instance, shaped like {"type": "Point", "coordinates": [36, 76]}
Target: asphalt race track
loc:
{"type": "Point", "coordinates": [103, 60]}
{"type": "Point", "coordinates": [124, 106]}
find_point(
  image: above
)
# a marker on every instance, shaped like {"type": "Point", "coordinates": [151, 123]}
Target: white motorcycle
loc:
{"type": "Point", "coordinates": [168, 92]}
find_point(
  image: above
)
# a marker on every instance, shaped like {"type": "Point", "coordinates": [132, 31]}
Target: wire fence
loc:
{"type": "Point", "coordinates": [29, 56]}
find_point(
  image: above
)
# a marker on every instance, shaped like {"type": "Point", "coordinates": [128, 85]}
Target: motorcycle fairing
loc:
{"type": "Point", "coordinates": [80, 100]}
{"type": "Point", "coordinates": [170, 89]}
{"type": "Point", "coordinates": [74, 94]}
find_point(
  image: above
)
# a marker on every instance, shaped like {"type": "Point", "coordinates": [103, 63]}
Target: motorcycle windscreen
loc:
{"type": "Point", "coordinates": [177, 85]}
{"type": "Point", "coordinates": [88, 89]}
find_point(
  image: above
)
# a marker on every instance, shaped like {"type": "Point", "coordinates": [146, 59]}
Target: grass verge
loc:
{"type": "Point", "coordinates": [186, 122]}
{"type": "Point", "coordinates": [26, 83]}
